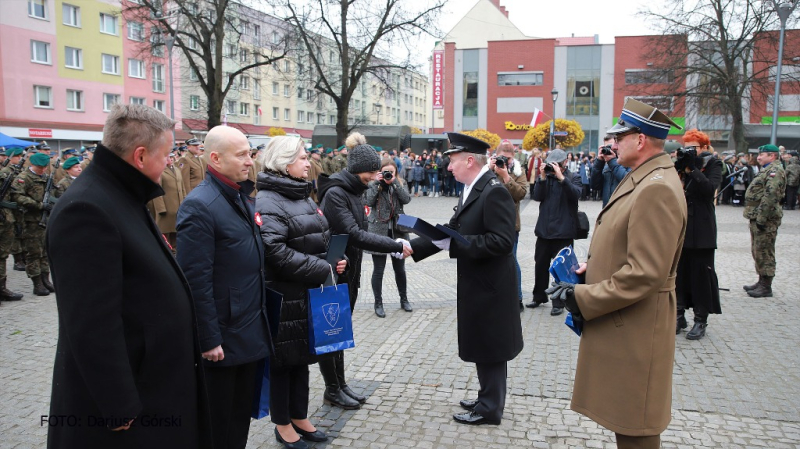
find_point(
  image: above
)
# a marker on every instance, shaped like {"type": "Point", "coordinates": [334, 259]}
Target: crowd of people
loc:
{"type": "Point", "coordinates": [186, 245]}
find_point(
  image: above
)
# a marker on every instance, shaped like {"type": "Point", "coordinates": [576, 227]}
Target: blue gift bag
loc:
{"type": "Point", "coordinates": [563, 270]}
{"type": "Point", "coordinates": [261, 393]}
{"type": "Point", "coordinates": [330, 323]}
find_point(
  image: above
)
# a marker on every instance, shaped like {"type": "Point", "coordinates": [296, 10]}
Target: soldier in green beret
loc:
{"type": "Point", "coordinates": [15, 157]}
{"type": "Point", "coordinates": [327, 162]}
{"type": "Point", "coordinates": [762, 207]}
{"type": "Point", "coordinates": [29, 195]}
{"type": "Point", "coordinates": [7, 210]}
{"type": "Point", "coordinates": [72, 168]}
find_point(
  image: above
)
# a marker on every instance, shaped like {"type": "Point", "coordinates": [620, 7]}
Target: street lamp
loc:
{"type": "Point", "coordinates": [784, 8]}
{"type": "Point", "coordinates": [554, 92]}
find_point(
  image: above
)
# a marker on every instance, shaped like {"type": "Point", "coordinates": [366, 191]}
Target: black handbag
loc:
{"type": "Point", "coordinates": [583, 226]}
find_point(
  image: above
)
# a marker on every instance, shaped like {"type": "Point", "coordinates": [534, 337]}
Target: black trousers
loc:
{"type": "Point", "coordinates": [230, 399]}
{"type": "Point", "coordinates": [696, 286]}
{"type": "Point", "coordinates": [791, 197]}
{"type": "Point", "coordinates": [288, 393]}
{"type": "Point", "coordinates": [629, 442]}
{"type": "Point", "coordinates": [492, 395]}
{"type": "Point", "coordinates": [379, 264]}
{"type": "Point", "coordinates": [546, 250]}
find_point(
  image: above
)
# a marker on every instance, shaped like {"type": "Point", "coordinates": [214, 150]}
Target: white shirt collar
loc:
{"type": "Point", "coordinates": [468, 189]}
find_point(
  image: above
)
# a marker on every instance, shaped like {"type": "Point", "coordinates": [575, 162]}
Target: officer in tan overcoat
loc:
{"type": "Point", "coordinates": [164, 208]}
{"type": "Point", "coordinates": [192, 166]}
{"type": "Point", "coordinates": [623, 379]}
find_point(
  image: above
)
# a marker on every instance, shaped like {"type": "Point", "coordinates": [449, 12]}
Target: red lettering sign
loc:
{"type": "Point", "coordinates": [438, 79]}
{"type": "Point", "coordinates": [40, 133]}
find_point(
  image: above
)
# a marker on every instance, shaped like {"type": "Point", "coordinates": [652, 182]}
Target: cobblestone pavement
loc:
{"type": "Point", "coordinates": [738, 387]}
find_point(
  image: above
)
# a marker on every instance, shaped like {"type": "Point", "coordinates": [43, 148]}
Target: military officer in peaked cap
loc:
{"type": "Point", "coordinates": [88, 155]}
{"type": "Point", "coordinates": [489, 328]}
{"type": "Point", "coordinates": [627, 304]}
{"type": "Point", "coordinates": [762, 207]}
{"type": "Point", "coordinates": [192, 165]}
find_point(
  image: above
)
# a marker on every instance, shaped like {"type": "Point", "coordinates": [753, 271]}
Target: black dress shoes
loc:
{"type": "Point", "coordinates": [474, 419]}
{"type": "Point", "coordinates": [556, 311]}
{"type": "Point", "coordinates": [299, 444]}
{"type": "Point", "coordinates": [338, 398]}
{"type": "Point", "coordinates": [349, 391]}
{"type": "Point", "coordinates": [315, 436]}
{"type": "Point", "coordinates": [533, 304]}
{"type": "Point", "coordinates": [469, 404]}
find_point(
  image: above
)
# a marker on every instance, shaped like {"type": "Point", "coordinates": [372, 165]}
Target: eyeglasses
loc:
{"type": "Point", "coordinates": [621, 136]}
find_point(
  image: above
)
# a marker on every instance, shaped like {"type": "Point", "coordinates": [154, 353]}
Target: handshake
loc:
{"type": "Point", "coordinates": [407, 251]}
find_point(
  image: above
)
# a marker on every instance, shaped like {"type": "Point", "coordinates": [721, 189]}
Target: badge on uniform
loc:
{"type": "Point", "coordinates": [772, 175]}
{"type": "Point", "coordinates": [258, 219]}
{"type": "Point", "coordinates": [319, 211]}
{"type": "Point", "coordinates": [366, 210]}
{"type": "Point", "coordinates": [494, 182]}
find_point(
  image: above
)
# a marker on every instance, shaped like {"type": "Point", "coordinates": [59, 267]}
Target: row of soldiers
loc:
{"type": "Point", "coordinates": [32, 179]}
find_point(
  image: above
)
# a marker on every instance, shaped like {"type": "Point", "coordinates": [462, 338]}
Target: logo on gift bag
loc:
{"type": "Point", "coordinates": [331, 313]}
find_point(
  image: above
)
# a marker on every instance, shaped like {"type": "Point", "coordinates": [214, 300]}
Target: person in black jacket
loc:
{"type": "Point", "coordinates": [558, 191]}
{"type": "Point", "coordinates": [296, 240]}
{"type": "Point", "coordinates": [128, 348]}
{"type": "Point", "coordinates": [696, 286]}
{"type": "Point", "coordinates": [489, 326]}
{"type": "Point", "coordinates": [341, 200]}
{"type": "Point", "coordinates": [222, 254]}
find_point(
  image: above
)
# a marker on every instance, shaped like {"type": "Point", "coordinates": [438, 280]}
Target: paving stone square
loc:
{"type": "Point", "coordinates": [739, 387]}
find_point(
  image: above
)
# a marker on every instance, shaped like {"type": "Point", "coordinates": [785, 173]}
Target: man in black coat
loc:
{"type": "Point", "coordinates": [489, 327]}
{"type": "Point", "coordinates": [342, 202]}
{"type": "Point", "coordinates": [222, 254]}
{"type": "Point", "coordinates": [558, 191]}
{"type": "Point", "coordinates": [125, 373]}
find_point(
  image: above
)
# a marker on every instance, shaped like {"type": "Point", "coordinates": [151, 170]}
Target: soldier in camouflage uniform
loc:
{"type": "Point", "coordinates": [15, 156]}
{"type": "Point", "coordinates": [7, 224]}
{"type": "Point", "coordinates": [327, 162]}
{"type": "Point", "coordinates": [72, 169]}
{"type": "Point", "coordinates": [340, 160]}
{"type": "Point", "coordinates": [29, 195]}
{"type": "Point", "coordinates": [792, 179]}
{"type": "Point", "coordinates": [763, 209]}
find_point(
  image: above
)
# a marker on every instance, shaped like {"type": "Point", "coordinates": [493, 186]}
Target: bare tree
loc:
{"type": "Point", "coordinates": [716, 54]}
{"type": "Point", "coordinates": [349, 40]}
{"type": "Point", "coordinates": [208, 33]}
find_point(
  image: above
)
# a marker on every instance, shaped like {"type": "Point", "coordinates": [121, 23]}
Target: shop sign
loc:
{"type": "Point", "coordinates": [40, 133]}
{"type": "Point", "coordinates": [438, 79]}
{"type": "Point", "coordinates": [511, 126]}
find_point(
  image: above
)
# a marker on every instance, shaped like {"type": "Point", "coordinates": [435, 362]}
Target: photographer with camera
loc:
{"type": "Point", "coordinates": [509, 171]}
{"type": "Point", "coordinates": [386, 196]}
{"type": "Point", "coordinates": [557, 190]}
{"type": "Point", "coordinates": [696, 286]}
{"type": "Point", "coordinates": [607, 172]}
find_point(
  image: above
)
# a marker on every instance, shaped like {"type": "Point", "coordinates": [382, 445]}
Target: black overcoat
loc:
{"type": "Point", "coordinates": [699, 187]}
{"type": "Point", "coordinates": [127, 340]}
{"type": "Point", "coordinates": [489, 327]}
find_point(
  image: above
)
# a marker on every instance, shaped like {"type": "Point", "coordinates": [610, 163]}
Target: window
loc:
{"type": "Point", "coordinates": [256, 89]}
{"type": "Point", "coordinates": [309, 95]}
{"type": "Point", "coordinates": [243, 55]}
{"type": "Point", "coordinates": [320, 119]}
{"type": "Point", "coordinates": [244, 82]}
{"type": "Point", "coordinates": [156, 42]}
{"type": "Point", "coordinates": [74, 100]}
{"type": "Point", "coordinates": [331, 119]}
{"type": "Point", "coordinates": [194, 102]}
{"type": "Point", "coordinates": [275, 37]}
{"type": "Point", "coordinates": [637, 76]}
{"type": "Point", "coordinates": [137, 100]}
{"type": "Point", "coordinates": [158, 78]}
{"type": "Point", "coordinates": [108, 24]}
{"type": "Point", "coordinates": [230, 107]}
{"type": "Point", "coordinates": [470, 108]}
{"type": "Point", "coordinates": [275, 113]}
{"type": "Point", "coordinates": [300, 116]}
{"type": "Point", "coordinates": [159, 105]}
{"type": "Point", "coordinates": [192, 43]}
{"type": "Point", "coordinates": [192, 74]}
{"type": "Point", "coordinates": [286, 66]}
{"type": "Point", "coordinates": [109, 100]}
{"type": "Point", "coordinates": [287, 114]}
{"type": "Point", "coordinates": [274, 88]}
{"type": "Point", "coordinates": [43, 97]}
{"type": "Point", "coordinates": [285, 90]}
{"type": "Point", "coordinates": [110, 64]}
{"type": "Point", "coordinates": [37, 8]}
{"type": "Point", "coordinates": [230, 50]}
{"type": "Point", "coordinates": [300, 93]}
{"type": "Point", "coordinates": [73, 58]}
{"type": "Point", "coordinates": [135, 31]}
{"type": "Point", "coordinates": [136, 68]}
{"type": "Point", "coordinates": [71, 15]}
{"type": "Point", "coordinates": [332, 57]}
{"type": "Point", "coordinates": [244, 108]}
{"type": "Point", "coordinates": [256, 32]}
{"type": "Point", "coordinates": [256, 113]}
{"type": "Point", "coordinates": [40, 52]}
{"type": "Point", "coordinates": [245, 27]}
{"type": "Point", "coordinates": [310, 117]}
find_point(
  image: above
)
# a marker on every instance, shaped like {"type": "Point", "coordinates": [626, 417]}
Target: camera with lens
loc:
{"type": "Point", "coordinates": [606, 150]}
{"type": "Point", "coordinates": [501, 161]}
{"type": "Point", "coordinates": [548, 168]}
{"type": "Point", "coordinates": [683, 155]}
{"type": "Point", "coordinates": [387, 176]}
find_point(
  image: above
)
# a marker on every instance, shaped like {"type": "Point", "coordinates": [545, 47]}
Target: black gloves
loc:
{"type": "Point", "coordinates": [48, 206]}
{"type": "Point", "coordinates": [690, 161]}
{"type": "Point", "coordinates": [565, 292]}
